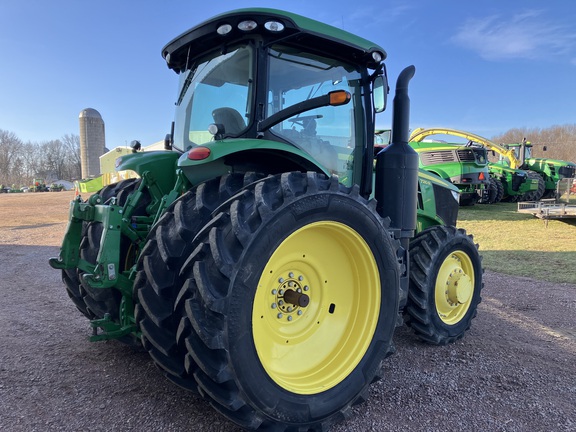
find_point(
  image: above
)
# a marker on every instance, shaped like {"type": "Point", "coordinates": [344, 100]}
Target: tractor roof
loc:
{"type": "Point", "coordinates": [289, 29]}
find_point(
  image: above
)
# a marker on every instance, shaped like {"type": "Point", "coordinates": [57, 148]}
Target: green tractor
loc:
{"type": "Point", "coordinates": [550, 170]}
{"type": "Point", "coordinates": [463, 165]}
{"type": "Point", "coordinates": [507, 181]}
{"type": "Point", "coordinates": [265, 258]}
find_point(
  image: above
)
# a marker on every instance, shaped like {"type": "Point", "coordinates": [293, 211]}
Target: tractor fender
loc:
{"type": "Point", "coordinates": [215, 158]}
{"type": "Point", "coordinates": [160, 164]}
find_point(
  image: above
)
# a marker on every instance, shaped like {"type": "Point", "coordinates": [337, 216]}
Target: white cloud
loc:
{"type": "Point", "coordinates": [525, 35]}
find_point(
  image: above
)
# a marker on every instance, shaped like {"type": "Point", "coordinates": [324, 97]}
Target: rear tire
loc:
{"type": "Point", "coordinates": [499, 191]}
{"type": "Point", "coordinates": [537, 194]}
{"type": "Point", "coordinates": [157, 283]}
{"type": "Point", "coordinates": [253, 347]}
{"type": "Point", "coordinates": [445, 284]}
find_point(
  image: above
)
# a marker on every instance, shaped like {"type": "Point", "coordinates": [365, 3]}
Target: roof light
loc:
{"type": "Point", "coordinates": [274, 26]}
{"type": "Point", "coordinates": [247, 25]}
{"type": "Point", "coordinates": [377, 56]}
{"type": "Point", "coordinates": [224, 29]}
{"type": "Point", "coordinates": [198, 153]}
{"type": "Point", "coordinates": [213, 128]}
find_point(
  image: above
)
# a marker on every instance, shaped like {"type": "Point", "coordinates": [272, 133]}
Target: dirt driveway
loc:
{"type": "Point", "coordinates": [514, 371]}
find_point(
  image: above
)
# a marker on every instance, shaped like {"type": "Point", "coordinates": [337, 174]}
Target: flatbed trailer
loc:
{"type": "Point", "coordinates": [548, 209]}
{"type": "Point", "coordinates": [561, 207]}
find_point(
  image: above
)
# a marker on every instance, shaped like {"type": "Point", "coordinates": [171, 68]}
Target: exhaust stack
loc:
{"type": "Point", "coordinates": [396, 188]}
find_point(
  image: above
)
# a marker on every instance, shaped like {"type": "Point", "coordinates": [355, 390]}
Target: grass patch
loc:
{"type": "Point", "coordinates": [520, 244]}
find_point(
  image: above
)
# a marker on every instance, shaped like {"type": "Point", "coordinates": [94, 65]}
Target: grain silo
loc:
{"type": "Point", "coordinates": [92, 141]}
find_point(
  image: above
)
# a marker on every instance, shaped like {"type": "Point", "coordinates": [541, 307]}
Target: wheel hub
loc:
{"type": "Point", "coordinates": [459, 288]}
{"type": "Point", "coordinates": [454, 287]}
{"type": "Point", "coordinates": [290, 297]}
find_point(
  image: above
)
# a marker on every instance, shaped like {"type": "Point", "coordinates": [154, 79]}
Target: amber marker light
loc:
{"type": "Point", "coordinates": [339, 97]}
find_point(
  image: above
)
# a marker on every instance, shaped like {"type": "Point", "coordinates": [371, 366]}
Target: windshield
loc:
{"type": "Point", "coordinates": [327, 133]}
{"type": "Point", "coordinates": [527, 151]}
{"type": "Point", "coordinates": [216, 89]}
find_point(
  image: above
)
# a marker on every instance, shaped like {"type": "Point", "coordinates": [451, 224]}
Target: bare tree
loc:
{"type": "Point", "coordinates": [10, 148]}
{"type": "Point", "coordinates": [72, 145]}
{"type": "Point", "coordinates": [31, 161]}
{"type": "Point", "coordinates": [559, 140]}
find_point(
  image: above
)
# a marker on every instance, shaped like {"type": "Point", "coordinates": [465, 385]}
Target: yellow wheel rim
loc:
{"type": "Point", "coordinates": [310, 348]}
{"type": "Point", "coordinates": [454, 287]}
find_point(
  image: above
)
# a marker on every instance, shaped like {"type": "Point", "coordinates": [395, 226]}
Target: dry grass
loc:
{"type": "Point", "coordinates": [520, 244]}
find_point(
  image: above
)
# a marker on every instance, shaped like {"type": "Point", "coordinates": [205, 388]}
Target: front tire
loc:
{"type": "Point", "coordinates": [290, 303]}
{"type": "Point", "coordinates": [445, 284]}
{"type": "Point", "coordinates": [102, 301]}
{"type": "Point", "coordinates": [91, 303]}
{"type": "Point", "coordinates": [490, 193]}
{"type": "Point", "coordinates": [468, 199]}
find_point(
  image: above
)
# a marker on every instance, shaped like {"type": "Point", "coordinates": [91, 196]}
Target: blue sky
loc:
{"type": "Point", "coordinates": [481, 66]}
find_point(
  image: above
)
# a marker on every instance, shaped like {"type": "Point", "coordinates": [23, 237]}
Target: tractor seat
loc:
{"type": "Point", "coordinates": [229, 118]}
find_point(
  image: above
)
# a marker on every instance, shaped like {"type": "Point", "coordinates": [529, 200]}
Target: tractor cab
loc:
{"type": "Point", "coordinates": [522, 151]}
{"type": "Point", "coordinates": [276, 91]}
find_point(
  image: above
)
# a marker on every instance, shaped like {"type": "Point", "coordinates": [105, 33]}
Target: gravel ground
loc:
{"type": "Point", "coordinates": [514, 371]}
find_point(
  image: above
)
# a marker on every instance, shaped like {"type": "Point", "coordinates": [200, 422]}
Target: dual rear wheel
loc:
{"type": "Point", "coordinates": [287, 302]}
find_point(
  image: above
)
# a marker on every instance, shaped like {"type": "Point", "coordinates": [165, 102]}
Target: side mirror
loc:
{"type": "Point", "coordinates": [380, 93]}
{"type": "Point", "coordinates": [168, 142]}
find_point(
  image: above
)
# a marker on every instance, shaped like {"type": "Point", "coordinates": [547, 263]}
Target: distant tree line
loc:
{"type": "Point", "coordinates": [559, 140]}
{"type": "Point", "coordinates": [22, 162]}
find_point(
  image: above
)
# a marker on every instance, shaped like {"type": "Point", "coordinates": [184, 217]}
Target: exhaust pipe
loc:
{"type": "Point", "coordinates": [396, 188]}
{"type": "Point", "coordinates": [401, 108]}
